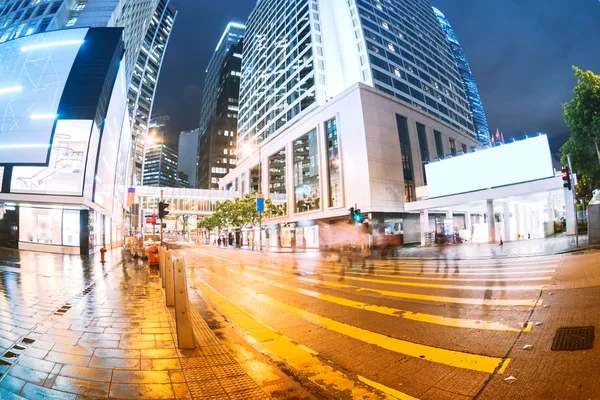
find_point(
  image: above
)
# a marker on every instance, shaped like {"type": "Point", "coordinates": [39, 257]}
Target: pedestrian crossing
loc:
{"type": "Point", "coordinates": [408, 313]}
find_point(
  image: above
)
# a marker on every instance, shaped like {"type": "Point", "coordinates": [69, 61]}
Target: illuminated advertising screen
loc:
{"type": "Point", "coordinates": [522, 161]}
{"type": "Point", "coordinates": [33, 73]}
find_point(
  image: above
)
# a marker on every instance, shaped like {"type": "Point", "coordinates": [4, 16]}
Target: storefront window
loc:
{"type": "Point", "coordinates": [65, 170]}
{"type": "Point", "coordinates": [70, 230]}
{"type": "Point", "coordinates": [306, 173]}
{"type": "Point", "coordinates": [40, 225]}
{"type": "Point", "coordinates": [277, 182]}
{"type": "Point", "coordinates": [333, 154]}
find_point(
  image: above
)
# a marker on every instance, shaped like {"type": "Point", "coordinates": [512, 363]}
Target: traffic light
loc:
{"type": "Point", "coordinates": [163, 209]}
{"type": "Point", "coordinates": [358, 216]}
{"type": "Point", "coordinates": [566, 177]}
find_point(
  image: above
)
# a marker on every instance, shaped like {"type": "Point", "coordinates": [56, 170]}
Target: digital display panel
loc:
{"type": "Point", "coordinates": [522, 161]}
{"type": "Point", "coordinates": [33, 73]}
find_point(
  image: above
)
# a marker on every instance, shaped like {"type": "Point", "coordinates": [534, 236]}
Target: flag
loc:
{"type": "Point", "coordinates": [502, 137]}
{"type": "Point", "coordinates": [130, 197]}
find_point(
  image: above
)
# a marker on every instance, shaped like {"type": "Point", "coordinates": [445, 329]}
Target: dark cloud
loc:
{"type": "Point", "coordinates": [520, 51]}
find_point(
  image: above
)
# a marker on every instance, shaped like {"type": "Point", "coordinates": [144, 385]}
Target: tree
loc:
{"type": "Point", "coordinates": [582, 115]}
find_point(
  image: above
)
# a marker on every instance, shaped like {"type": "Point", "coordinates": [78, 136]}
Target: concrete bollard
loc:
{"type": "Point", "coordinates": [161, 264]}
{"type": "Point", "coordinates": [169, 278]}
{"type": "Point", "coordinates": [185, 336]}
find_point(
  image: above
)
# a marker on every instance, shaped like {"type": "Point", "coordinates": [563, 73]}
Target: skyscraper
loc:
{"type": "Point", "coordinates": [468, 80]}
{"type": "Point", "coordinates": [342, 103]}
{"type": "Point", "coordinates": [188, 154]}
{"type": "Point", "coordinates": [232, 35]}
{"type": "Point", "coordinates": [217, 143]}
{"type": "Point", "coordinates": [147, 25]}
{"type": "Point", "coordinates": [160, 161]}
{"type": "Point", "coordinates": [143, 82]}
{"type": "Point", "coordinates": [395, 46]}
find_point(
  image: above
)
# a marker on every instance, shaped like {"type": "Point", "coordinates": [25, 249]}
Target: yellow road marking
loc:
{"type": "Point", "coordinates": [419, 317]}
{"type": "Point", "coordinates": [389, 293]}
{"type": "Point", "coordinates": [438, 286]}
{"type": "Point", "coordinates": [319, 373]}
{"type": "Point", "coordinates": [461, 273]}
{"type": "Point", "coordinates": [423, 278]}
{"type": "Point", "coordinates": [451, 358]}
{"type": "Point", "coordinates": [388, 390]}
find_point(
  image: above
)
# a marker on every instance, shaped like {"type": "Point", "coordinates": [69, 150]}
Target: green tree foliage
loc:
{"type": "Point", "coordinates": [582, 115]}
{"type": "Point", "coordinates": [241, 212]}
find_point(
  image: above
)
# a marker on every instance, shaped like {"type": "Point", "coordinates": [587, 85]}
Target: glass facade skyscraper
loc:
{"type": "Point", "coordinates": [301, 53]}
{"type": "Point", "coordinates": [231, 36]}
{"type": "Point", "coordinates": [468, 80]}
{"type": "Point", "coordinates": [144, 79]}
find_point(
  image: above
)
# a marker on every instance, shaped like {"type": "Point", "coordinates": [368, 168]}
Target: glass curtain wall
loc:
{"type": "Point", "coordinates": [306, 173]}
{"type": "Point", "coordinates": [407, 162]}
{"type": "Point", "coordinates": [333, 153]}
{"type": "Point", "coordinates": [423, 147]}
{"type": "Point", "coordinates": [277, 191]}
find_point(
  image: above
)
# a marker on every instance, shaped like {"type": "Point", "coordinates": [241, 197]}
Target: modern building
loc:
{"type": "Point", "coordinates": [187, 155]}
{"type": "Point", "coordinates": [147, 26]}
{"type": "Point", "coordinates": [468, 80]}
{"type": "Point", "coordinates": [145, 76]}
{"type": "Point", "coordinates": [217, 143]}
{"type": "Point", "coordinates": [160, 160]}
{"type": "Point", "coordinates": [184, 180]}
{"type": "Point", "coordinates": [65, 140]}
{"type": "Point", "coordinates": [232, 35]}
{"type": "Point", "coordinates": [321, 48]}
{"type": "Point", "coordinates": [342, 103]}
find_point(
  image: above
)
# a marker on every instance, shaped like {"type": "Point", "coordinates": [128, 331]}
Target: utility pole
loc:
{"type": "Point", "coordinates": [574, 201]}
{"type": "Point", "coordinates": [161, 221]}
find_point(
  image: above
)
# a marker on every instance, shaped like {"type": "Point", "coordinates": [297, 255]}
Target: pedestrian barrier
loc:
{"type": "Point", "coordinates": [185, 336]}
{"type": "Point", "coordinates": [169, 289]}
{"type": "Point", "coordinates": [161, 264]}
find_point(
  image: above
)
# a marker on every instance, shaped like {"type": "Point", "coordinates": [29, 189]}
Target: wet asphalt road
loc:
{"type": "Point", "coordinates": [446, 329]}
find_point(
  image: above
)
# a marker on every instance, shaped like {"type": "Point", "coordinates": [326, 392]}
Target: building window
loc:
{"type": "Point", "coordinates": [407, 163]}
{"type": "Point", "coordinates": [255, 180]}
{"type": "Point", "coordinates": [277, 181]}
{"type": "Point", "coordinates": [306, 173]}
{"type": "Point", "coordinates": [423, 147]}
{"type": "Point", "coordinates": [452, 143]}
{"type": "Point", "coordinates": [439, 147]}
{"type": "Point", "coordinates": [334, 164]}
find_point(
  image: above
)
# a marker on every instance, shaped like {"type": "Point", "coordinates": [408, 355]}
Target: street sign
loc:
{"type": "Point", "coordinates": [260, 202]}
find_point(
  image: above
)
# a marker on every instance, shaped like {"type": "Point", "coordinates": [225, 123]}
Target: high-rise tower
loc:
{"type": "Point", "coordinates": [468, 80]}
{"type": "Point", "coordinates": [304, 52]}
{"type": "Point", "coordinates": [232, 35]}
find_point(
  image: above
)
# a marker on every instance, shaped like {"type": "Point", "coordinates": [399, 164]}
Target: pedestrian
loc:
{"type": "Point", "coordinates": [219, 241]}
{"type": "Point", "coordinates": [230, 239]}
{"type": "Point", "coordinates": [304, 243]}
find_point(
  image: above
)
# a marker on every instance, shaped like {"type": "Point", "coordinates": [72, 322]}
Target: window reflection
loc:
{"type": "Point", "coordinates": [333, 152]}
{"type": "Point", "coordinates": [277, 191]}
{"type": "Point", "coordinates": [306, 173]}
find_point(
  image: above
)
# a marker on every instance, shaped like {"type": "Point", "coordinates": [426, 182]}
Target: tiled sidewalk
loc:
{"type": "Point", "coordinates": [64, 337]}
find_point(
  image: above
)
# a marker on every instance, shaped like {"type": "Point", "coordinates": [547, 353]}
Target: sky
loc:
{"type": "Point", "coordinates": [520, 52]}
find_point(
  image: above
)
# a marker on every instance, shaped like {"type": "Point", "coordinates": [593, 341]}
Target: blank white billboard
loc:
{"type": "Point", "coordinates": [33, 73]}
{"type": "Point", "coordinates": [522, 161]}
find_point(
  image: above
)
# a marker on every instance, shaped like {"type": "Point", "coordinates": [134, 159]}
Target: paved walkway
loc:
{"type": "Point", "coordinates": [71, 328]}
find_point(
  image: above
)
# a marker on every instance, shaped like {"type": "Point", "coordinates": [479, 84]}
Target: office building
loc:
{"type": "Point", "coordinates": [231, 36]}
{"type": "Point", "coordinates": [468, 80]}
{"type": "Point", "coordinates": [63, 116]}
{"type": "Point", "coordinates": [160, 160]}
{"type": "Point", "coordinates": [184, 181]}
{"type": "Point", "coordinates": [342, 103]}
{"type": "Point", "coordinates": [217, 143]}
{"type": "Point", "coordinates": [187, 155]}
{"type": "Point", "coordinates": [145, 76]}
{"type": "Point", "coordinates": [320, 48]}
